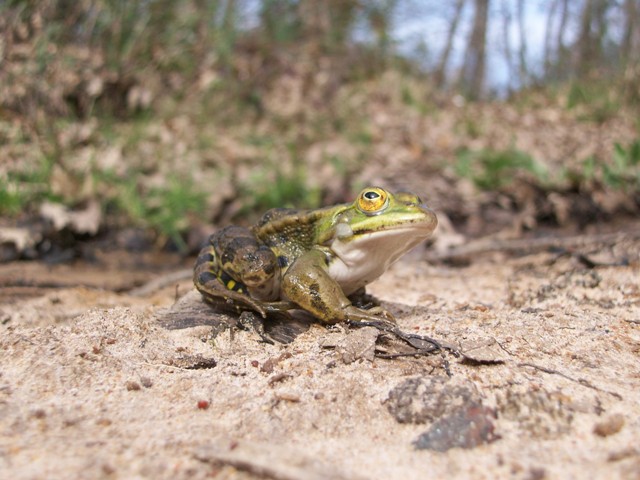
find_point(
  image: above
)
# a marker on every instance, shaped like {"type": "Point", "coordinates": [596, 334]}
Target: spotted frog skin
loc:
{"type": "Point", "coordinates": [314, 260]}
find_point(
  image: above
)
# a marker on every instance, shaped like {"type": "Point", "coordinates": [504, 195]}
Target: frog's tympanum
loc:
{"type": "Point", "coordinates": [314, 260]}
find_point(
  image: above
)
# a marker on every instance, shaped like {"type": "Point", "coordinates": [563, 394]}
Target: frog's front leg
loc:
{"type": "Point", "coordinates": [308, 284]}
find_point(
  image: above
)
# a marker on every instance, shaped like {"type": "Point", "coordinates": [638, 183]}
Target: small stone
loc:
{"type": "Point", "coordinates": [483, 351]}
{"type": "Point", "coordinates": [537, 473]}
{"type": "Point", "coordinates": [466, 427]}
{"type": "Point", "coordinates": [358, 344]}
{"type": "Point", "coordinates": [146, 382]}
{"type": "Point", "coordinates": [288, 397]}
{"type": "Point", "coordinates": [609, 426]}
{"type": "Point", "coordinates": [278, 377]}
{"type": "Point", "coordinates": [132, 386]}
{"type": "Point", "coordinates": [38, 413]}
{"type": "Point", "coordinates": [425, 399]}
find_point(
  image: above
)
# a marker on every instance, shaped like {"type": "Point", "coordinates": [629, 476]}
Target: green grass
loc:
{"type": "Point", "coordinates": [495, 169]}
{"type": "Point", "coordinates": [22, 191]}
{"type": "Point", "coordinates": [624, 170]}
{"type": "Point", "coordinates": [597, 100]}
{"type": "Point", "coordinates": [12, 201]}
{"type": "Point", "coordinates": [167, 210]}
{"type": "Point", "coordinates": [272, 187]}
{"type": "Point", "coordinates": [621, 171]}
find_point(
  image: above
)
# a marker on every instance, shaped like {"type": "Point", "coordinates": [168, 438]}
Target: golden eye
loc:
{"type": "Point", "coordinates": [372, 200]}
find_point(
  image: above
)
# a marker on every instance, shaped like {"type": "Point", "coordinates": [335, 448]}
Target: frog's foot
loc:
{"type": "Point", "coordinates": [380, 312]}
{"type": "Point", "coordinates": [251, 322]}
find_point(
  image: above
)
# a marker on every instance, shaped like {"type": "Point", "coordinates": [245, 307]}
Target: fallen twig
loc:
{"type": "Point", "coordinates": [529, 245]}
{"type": "Point", "coordinates": [161, 282]}
{"type": "Point", "coordinates": [580, 381]}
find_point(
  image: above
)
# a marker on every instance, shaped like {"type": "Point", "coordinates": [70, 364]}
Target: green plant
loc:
{"type": "Point", "coordinates": [621, 172]}
{"type": "Point", "coordinates": [624, 170]}
{"type": "Point", "coordinates": [273, 187]}
{"type": "Point", "coordinates": [596, 98]}
{"type": "Point", "coordinates": [494, 169]}
{"type": "Point", "coordinates": [11, 199]}
{"type": "Point", "coordinates": [20, 190]}
{"type": "Point", "coordinates": [415, 100]}
{"type": "Point", "coordinates": [165, 209]}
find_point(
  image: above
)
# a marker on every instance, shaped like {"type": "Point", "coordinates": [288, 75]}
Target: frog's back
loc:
{"type": "Point", "coordinates": [290, 232]}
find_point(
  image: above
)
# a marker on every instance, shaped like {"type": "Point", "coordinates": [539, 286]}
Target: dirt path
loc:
{"type": "Point", "coordinates": [93, 386]}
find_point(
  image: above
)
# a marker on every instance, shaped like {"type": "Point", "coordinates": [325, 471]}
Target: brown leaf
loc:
{"type": "Point", "coordinates": [79, 221]}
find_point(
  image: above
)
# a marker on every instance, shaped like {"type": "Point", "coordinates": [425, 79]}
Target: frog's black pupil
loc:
{"type": "Point", "coordinates": [371, 195]}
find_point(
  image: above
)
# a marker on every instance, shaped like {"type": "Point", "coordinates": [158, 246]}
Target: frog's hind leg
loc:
{"type": "Point", "coordinates": [218, 288]}
{"type": "Point", "coordinates": [249, 270]}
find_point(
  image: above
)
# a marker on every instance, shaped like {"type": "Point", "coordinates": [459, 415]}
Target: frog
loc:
{"type": "Point", "coordinates": [315, 260]}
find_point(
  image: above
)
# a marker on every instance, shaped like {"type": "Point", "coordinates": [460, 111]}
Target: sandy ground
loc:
{"type": "Point", "coordinates": [92, 384]}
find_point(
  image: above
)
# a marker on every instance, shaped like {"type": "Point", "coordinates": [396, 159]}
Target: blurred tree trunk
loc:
{"type": "Point", "coordinates": [591, 35]}
{"type": "Point", "coordinates": [562, 55]}
{"type": "Point", "coordinates": [523, 70]}
{"type": "Point", "coordinates": [564, 18]}
{"type": "Point", "coordinates": [631, 36]}
{"type": "Point", "coordinates": [473, 70]}
{"type": "Point", "coordinates": [328, 24]}
{"type": "Point", "coordinates": [441, 69]}
{"type": "Point", "coordinates": [506, 41]}
{"type": "Point", "coordinates": [551, 13]}
{"type": "Point", "coordinates": [379, 15]}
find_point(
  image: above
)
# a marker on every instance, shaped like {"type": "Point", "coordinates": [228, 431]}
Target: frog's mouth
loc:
{"type": "Point", "coordinates": [384, 245]}
{"type": "Point", "coordinates": [421, 229]}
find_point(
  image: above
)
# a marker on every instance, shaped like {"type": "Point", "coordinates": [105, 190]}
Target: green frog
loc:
{"type": "Point", "coordinates": [315, 260]}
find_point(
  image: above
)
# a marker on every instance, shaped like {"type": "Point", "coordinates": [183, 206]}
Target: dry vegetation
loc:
{"type": "Point", "coordinates": [160, 142]}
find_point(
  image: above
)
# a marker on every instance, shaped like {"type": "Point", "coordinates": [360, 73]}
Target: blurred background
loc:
{"type": "Point", "coordinates": [144, 125]}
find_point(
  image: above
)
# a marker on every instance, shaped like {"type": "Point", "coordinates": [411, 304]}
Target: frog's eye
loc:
{"type": "Point", "coordinates": [372, 200]}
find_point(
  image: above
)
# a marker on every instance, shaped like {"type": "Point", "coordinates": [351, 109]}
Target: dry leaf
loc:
{"type": "Point", "coordinates": [79, 221]}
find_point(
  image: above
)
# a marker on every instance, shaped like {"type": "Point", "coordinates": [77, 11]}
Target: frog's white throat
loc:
{"type": "Point", "coordinates": [359, 261]}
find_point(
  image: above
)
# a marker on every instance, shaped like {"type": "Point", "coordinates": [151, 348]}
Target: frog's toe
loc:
{"type": "Point", "coordinates": [387, 316]}
{"type": "Point", "coordinates": [374, 315]}
{"type": "Point", "coordinates": [378, 311]}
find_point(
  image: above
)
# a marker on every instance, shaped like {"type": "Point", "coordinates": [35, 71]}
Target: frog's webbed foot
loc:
{"type": "Point", "coordinates": [250, 321]}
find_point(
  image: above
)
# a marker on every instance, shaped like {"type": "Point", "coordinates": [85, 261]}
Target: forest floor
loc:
{"type": "Point", "coordinates": [99, 381]}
